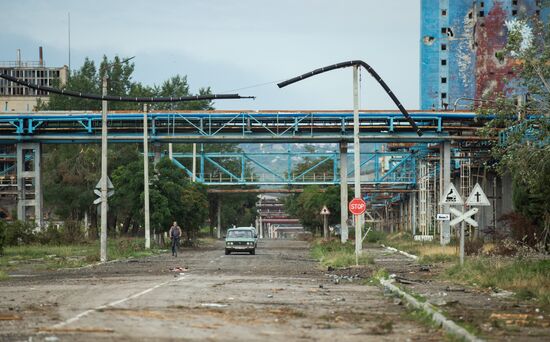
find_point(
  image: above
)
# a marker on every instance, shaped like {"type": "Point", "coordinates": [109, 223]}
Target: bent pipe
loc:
{"type": "Point", "coordinates": [373, 74]}
{"type": "Point", "coordinates": [122, 98]}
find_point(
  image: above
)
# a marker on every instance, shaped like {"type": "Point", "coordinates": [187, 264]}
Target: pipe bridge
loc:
{"type": "Point", "coordinates": [238, 127]}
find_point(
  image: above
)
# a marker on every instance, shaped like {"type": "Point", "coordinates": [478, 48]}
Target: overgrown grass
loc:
{"type": "Point", "coordinates": [428, 251]}
{"type": "Point", "coordinates": [336, 254]}
{"type": "Point", "coordinates": [526, 278]}
{"type": "Point", "coordinates": [66, 256]}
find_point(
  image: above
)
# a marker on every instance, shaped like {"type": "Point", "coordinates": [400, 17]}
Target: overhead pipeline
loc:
{"type": "Point", "coordinates": [123, 98]}
{"type": "Point", "coordinates": [373, 74]}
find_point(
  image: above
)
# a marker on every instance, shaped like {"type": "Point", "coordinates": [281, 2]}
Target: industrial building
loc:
{"type": "Point", "coordinates": [459, 50]}
{"type": "Point", "coordinates": [20, 99]}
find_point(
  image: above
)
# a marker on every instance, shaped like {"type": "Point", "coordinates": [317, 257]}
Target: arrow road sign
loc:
{"type": "Point", "coordinates": [460, 216]}
{"type": "Point", "coordinates": [451, 196]}
{"type": "Point", "coordinates": [477, 197]}
{"type": "Point", "coordinates": [109, 184]}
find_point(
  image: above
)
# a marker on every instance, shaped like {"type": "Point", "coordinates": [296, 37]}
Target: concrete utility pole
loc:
{"type": "Point", "coordinates": [344, 191]}
{"type": "Point", "coordinates": [194, 162]}
{"type": "Point", "coordinates": [103, 235]}
{"type": "Point", "coordinates": [219, 217]}
{"type": "Point", "coordinates": [446, 170]}
{"type": "Point", "coordinates": [357, 158]}
{"type": "Point", "coordinates": [146, 178]}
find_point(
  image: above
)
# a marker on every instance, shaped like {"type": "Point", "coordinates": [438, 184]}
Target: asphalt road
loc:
{"type": "Point", "coordinates": [279, 294]}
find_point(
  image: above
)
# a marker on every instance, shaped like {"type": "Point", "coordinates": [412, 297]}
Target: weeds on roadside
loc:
{"type": "Point", "coordinates": [75, 255]}
{"type": "Point", "coordinates": [336, 254]}
{"type": "Point", "coordinates": [527, 278]}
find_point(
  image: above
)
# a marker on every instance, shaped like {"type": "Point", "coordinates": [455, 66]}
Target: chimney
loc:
{"type": "Point", "coordinates": [18, 60]}
{"type": "Point", "coordinates": [40, 56]}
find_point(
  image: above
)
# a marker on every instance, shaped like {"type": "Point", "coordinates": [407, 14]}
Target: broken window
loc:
{"type": "Point", "coordinates": [443, 12]}
{"type": "Point", "coordinates": [443, 62]}
{"type": "Point", "coordinates": [443, 47]}
{"type": "Point", "coordinates": [443, 79]}
{"type": "Point", "coordinates": [443, 95]}
{"type": "Point", "coordinates": [481, 14]}
{"type": "Point", "coordinates": [443, 30]}
{"type": "Point", "coordinates": [515, 2]}
{"type": "Point", "coordinates": [514, 12]}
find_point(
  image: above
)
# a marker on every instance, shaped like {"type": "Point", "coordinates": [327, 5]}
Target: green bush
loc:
{"type": "Point", "coordinates": [19, 233]}
{"type": "Point", "coordinates": [375, 236]}
{"type": "Point", "coordinates": [2, 236]}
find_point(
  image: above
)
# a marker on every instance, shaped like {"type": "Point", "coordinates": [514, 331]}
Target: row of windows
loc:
{"type": "Point", "coordinates": [20, 91]}
{"type": "Point", "coordinates": [31, 73]}
{"type": "Point", "coordinates": [481, 13]}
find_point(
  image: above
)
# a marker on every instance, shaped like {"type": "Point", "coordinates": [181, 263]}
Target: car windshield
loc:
{"type": "Point", "coordinates": [239, 234]}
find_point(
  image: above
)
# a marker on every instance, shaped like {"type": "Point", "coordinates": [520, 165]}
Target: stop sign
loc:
{"type": "Point", "coordinates": [357, 206]}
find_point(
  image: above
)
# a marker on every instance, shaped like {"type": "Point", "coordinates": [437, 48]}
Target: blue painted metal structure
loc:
{"type": "Point", "coordinates": [377, 168]}
{"type": "Point", "coordinates": [236, 127]}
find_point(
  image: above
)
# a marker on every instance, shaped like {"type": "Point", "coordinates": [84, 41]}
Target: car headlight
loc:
{"type": "Point", "coordinates": [250, 243]}
{"type": "Point", "coordinates": [230, 243]}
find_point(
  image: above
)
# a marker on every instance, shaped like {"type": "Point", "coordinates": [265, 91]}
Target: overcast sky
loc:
{"type": "Point", "coordinates": [233, 44]}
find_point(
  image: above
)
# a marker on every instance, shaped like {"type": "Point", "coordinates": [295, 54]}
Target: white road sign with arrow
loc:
{"type": "Point", "coordinates": [110, 190]}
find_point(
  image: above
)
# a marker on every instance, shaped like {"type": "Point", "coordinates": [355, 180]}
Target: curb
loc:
{"type": "Point", "coordinates": [401, 252]}
{"type": "Point", "coordinates": [436, 316]}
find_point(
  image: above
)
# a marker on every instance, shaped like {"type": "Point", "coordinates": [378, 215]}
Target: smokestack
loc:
{"type": "Point", "coordinates": [40, 56]}
{"type": "Point", "coordinates": [18, 60]}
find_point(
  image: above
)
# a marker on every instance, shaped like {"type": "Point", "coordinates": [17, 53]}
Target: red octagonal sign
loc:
{"type": "Point", "coordinates": [357, 206]}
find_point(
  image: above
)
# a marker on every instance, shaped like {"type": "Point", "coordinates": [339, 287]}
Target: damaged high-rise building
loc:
{"type": "Point", "coordinates": [461, 50]}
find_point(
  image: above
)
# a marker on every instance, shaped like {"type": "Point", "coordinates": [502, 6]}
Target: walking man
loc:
{"type": "Point", "coordinates": [175, 234]}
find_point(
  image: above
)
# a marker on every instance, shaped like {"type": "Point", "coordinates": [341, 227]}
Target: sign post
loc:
{"type": "Point", "coordinates": [325, 212]}
{"type": "Point", "coordinates": [476, 198]}
{"type": "Point", "coordinates": [357, 207]}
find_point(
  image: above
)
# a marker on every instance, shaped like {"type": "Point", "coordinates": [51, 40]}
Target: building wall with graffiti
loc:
{"type": "Point", "coordinates": [460, 45]}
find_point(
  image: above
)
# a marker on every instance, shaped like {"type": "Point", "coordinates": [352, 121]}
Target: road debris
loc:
{"type": "Point", "coordinates": [10, 317]}
{"type": "Point", "coordinates": [179, 269]}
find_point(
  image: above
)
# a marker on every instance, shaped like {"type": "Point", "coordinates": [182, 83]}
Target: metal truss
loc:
{"type": "Point", "coordinates": [237, 127]}
{"type": "Point", "coordinates": [277, 168]}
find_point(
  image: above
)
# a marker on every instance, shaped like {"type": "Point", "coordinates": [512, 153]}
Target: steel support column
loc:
{"type": "Point", "coordinates": [36, 176]}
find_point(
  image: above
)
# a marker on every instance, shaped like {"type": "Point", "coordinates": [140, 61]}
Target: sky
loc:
{"type": "Point", "coordinates": [238, 46]}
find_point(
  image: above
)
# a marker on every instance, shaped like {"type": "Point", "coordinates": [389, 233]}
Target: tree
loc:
{"type": "Point", "coordinates": [524, 153]}
{"type": "Point", "coordinates": [307, 206]}
{"type": "Point", "coordinates": [175, 198]}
